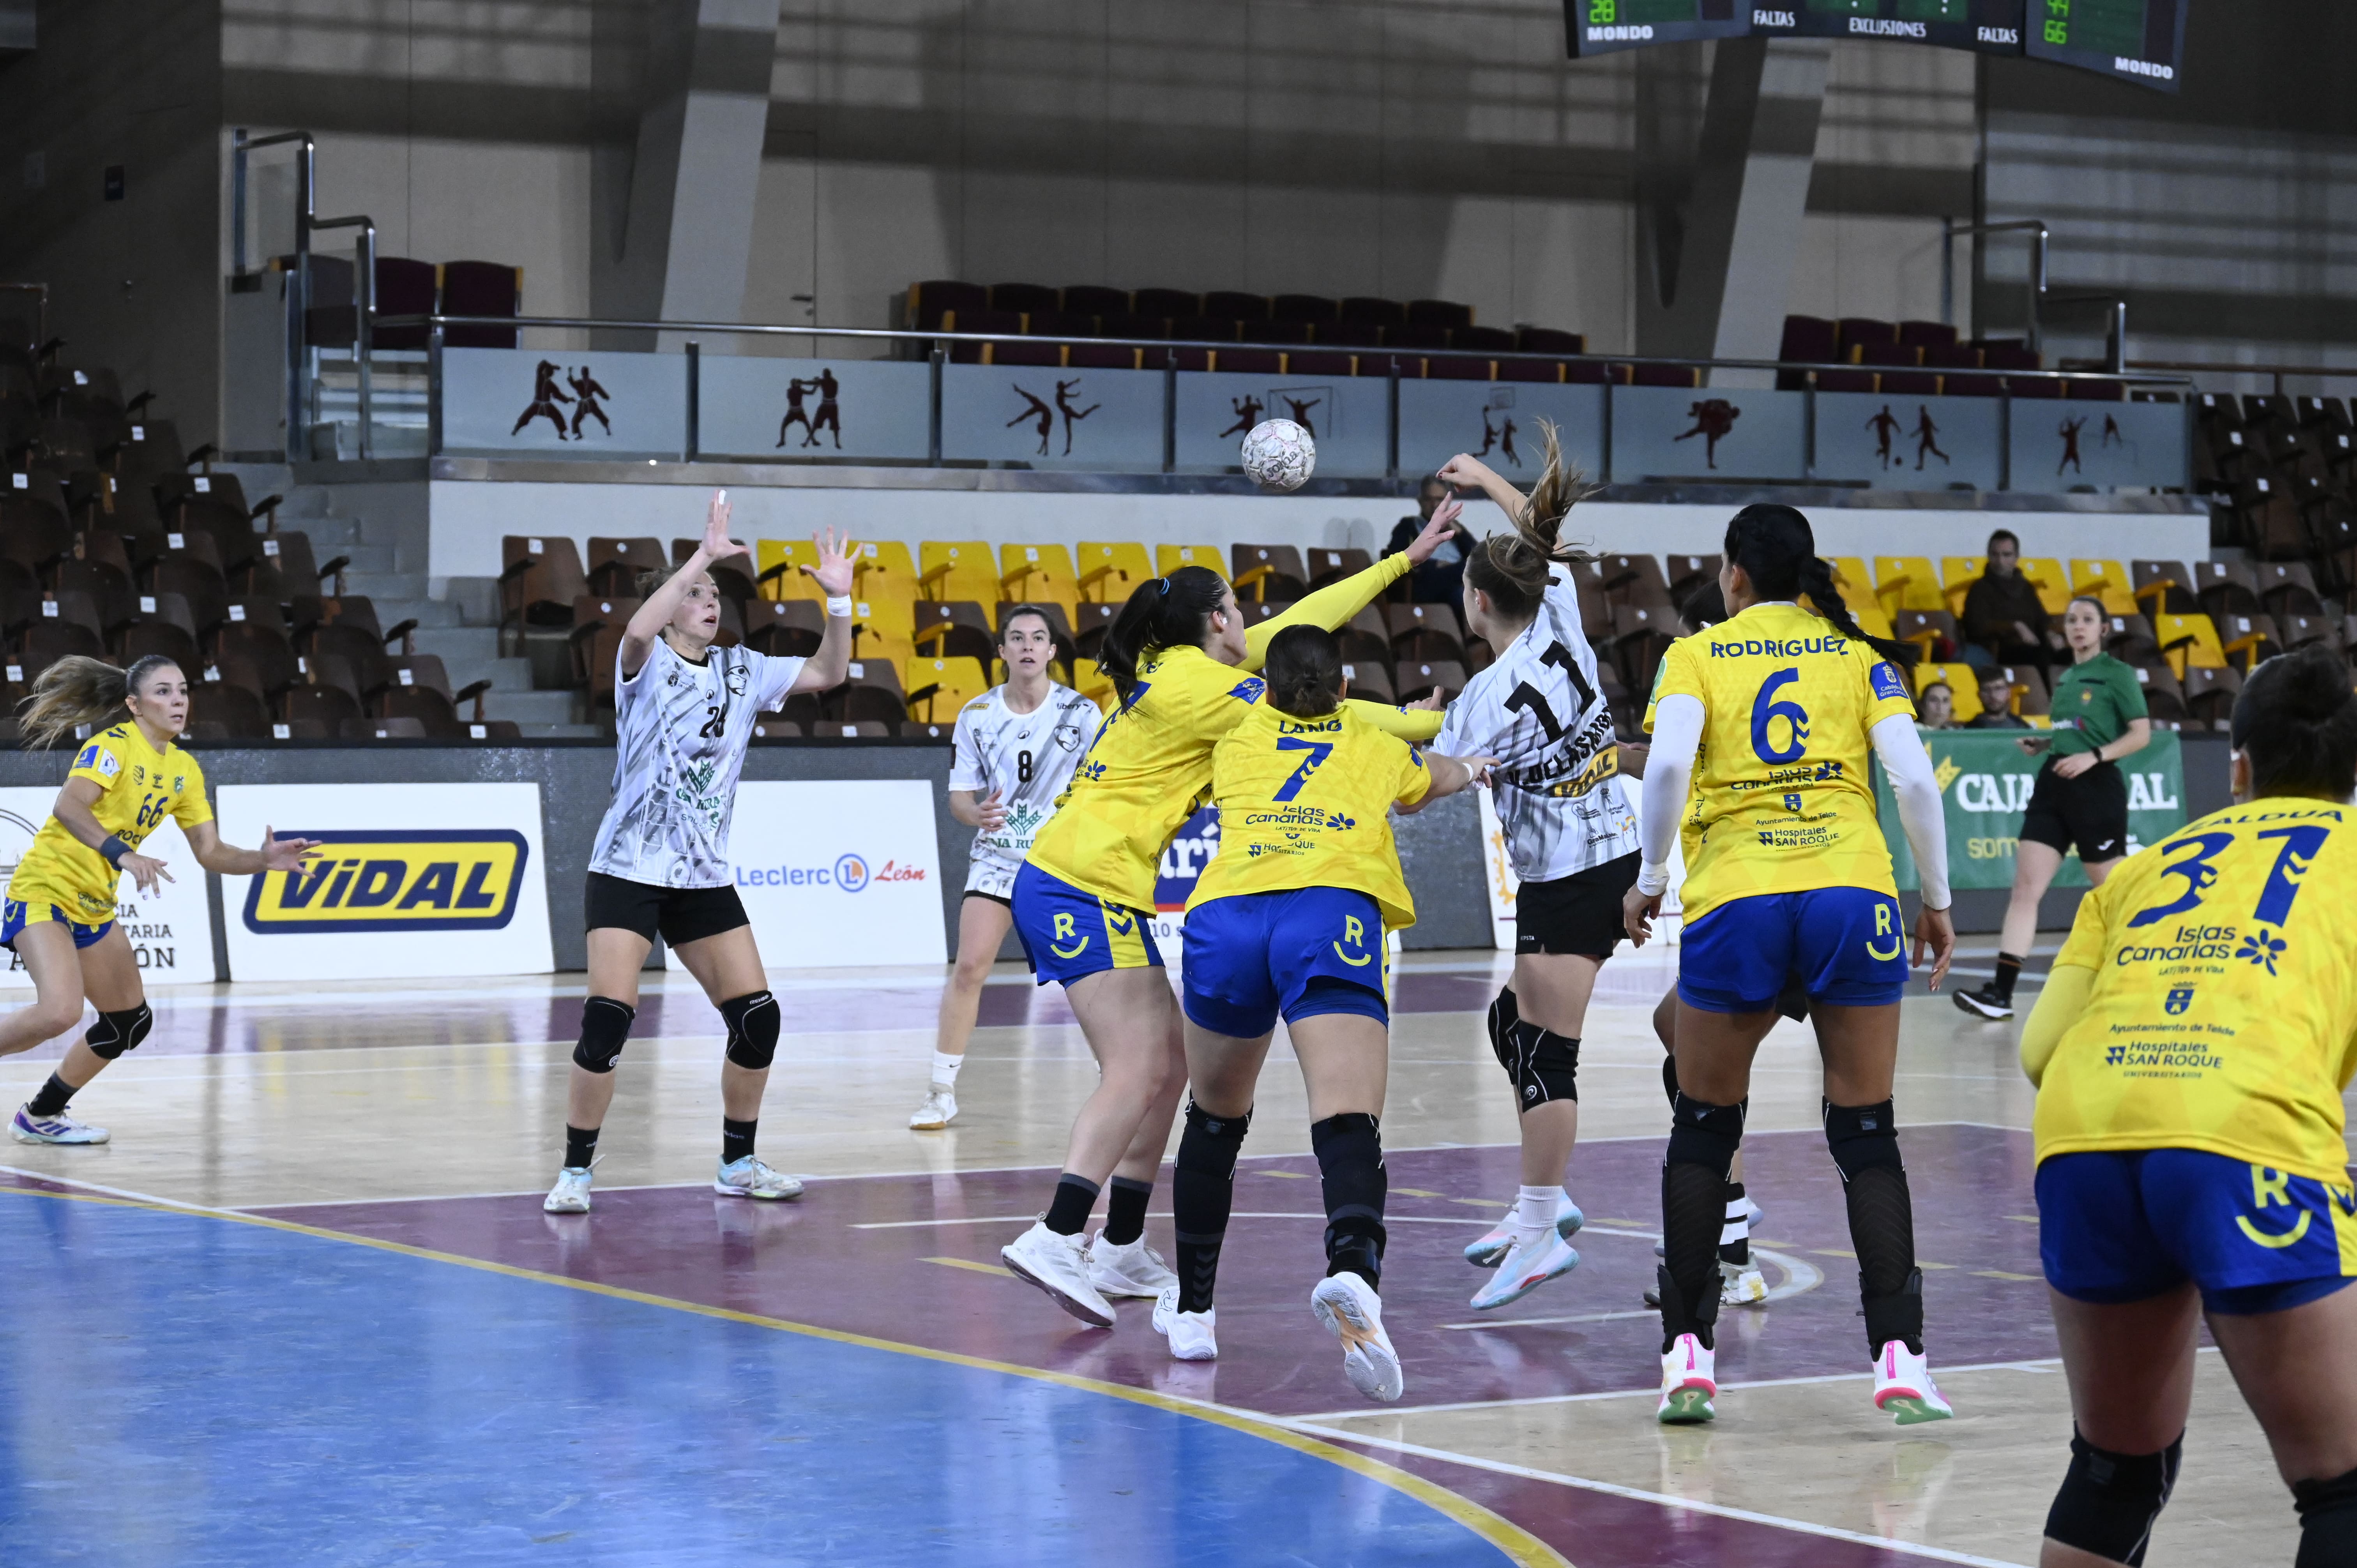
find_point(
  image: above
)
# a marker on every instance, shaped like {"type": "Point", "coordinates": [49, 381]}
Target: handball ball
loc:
{"type": "Point", "coordinates": [1279, 455]}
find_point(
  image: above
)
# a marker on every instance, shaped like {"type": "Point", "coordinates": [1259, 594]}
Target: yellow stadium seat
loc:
{"type": "Point", "coordinates": [2053, 584]}
{"type": "Point", "coordinates": [1964, 686]}
{"type": "Point", "coordinates": [892, 616]}
{"type": "Point", "coordinates": [1957, 576]}
{"type": "Point", "coordinates": [1037, 571]}
{"type": "Point", "coordinates": [1092, 683]}
{"type": "Point", "coordinates": [1852, 578]}
{"type": "Point", "coordinates": [1907, 583]}
{"type": "Point", "coordinates": [1168, 558]}
{"type": "Point", "coordinates": [1870, 618]}
{"type": "Point", "coordinates": [2038, 721]}
{"type": "Point", "coordinates": [870, 647]}
{"type": "Point", "coordinates": [779, 563]}
{"type": "Point", "coordinates": [1111, 572]}
{"type": "Point", "coordinates": [882, 570]}
{"type": "Point", "coordinates": [2189, 642]}
{"type": "Point", "coordinates": [938, 688]}
{"type": "Point", "coordinates": [966, 569]}
{"type": "Point", "coordinates": [2108, 581]}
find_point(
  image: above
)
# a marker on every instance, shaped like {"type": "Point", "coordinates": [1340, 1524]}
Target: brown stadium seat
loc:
{"type": "Point", "coordinates": [1369, 680]}
{"type": "Point", "coordinates": [1415, 680]}
{"type": "Point", "coordinates": [1273, 572]}
{"type": "Point", "coordinates": [1641, 635]}
{"type": "Point", "coordinates": [141, 639]}
{"type": "Point", "coordinates": [604, 648]}
{"type": "Point", "coordinates": [872, 691]}
{"type": "Point", "coordinates": [614, 564]}
{"type": "Point", "coordinates": [239, 711]}
{"type": "Point", "coordinates": [2209, 693]}
{"type": "Point", "coordinates": [1478, 655]}
{"type": "Point", "coordinates": [2163, 588]}
{"type": "Point", "coordinates": [852, 729]}
{"type": "Point", "coordinates": [324, 704]}
{"type": "Point", "coordinates": [2249, 640]}
{"type": "Point", "coordinates": [2288, 587]}
{"type": "Point", "coordinates": [423, 674]}
{"type": "Point", "coordinates": [1365, 639]}
{"type": "Point", "coordinates": [770, 726]}
{"type": "Point", "coordinates": [785, 628]}
{"type": "Point", "coordinates": [1089, 623]}
{"type": "Point", "coordinates": [591, 615]}
{"type": "Point", "coordinates": [106, 586]}
{"type": "Point", "coordinates": [959, 629]}
{"type": "Point", "coordinates": [1636, 580]}
{"type": "Point", "coordinates": [539, 579]}
{"type": "Point", "coordinates": [368, 729]}
{"type": "Point", "coordinates": [931, 733]}
{"type": "Point", "coordinates": [1333, 565]}
{"type": "Point", "coordinates": [1421, 632]}
{"type": "Point", "coordinates": [733, 576]}
{"type": "Point", "coordinates": [1689, 575]}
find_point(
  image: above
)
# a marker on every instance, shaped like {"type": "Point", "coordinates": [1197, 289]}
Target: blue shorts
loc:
{"type": "Point", "coordinates": [1252, 957]}
{"type": "Point", "coordinates": [1842, 945]}
{"type": "Point", "coordinates": [1069, 935]}
{"type": "Point", "coordinates": [2124, 1225]}
{"type": "Point", "coordinates": [17, 917]}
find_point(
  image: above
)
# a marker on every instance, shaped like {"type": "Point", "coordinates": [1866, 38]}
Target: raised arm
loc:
{"type": "Point", "coordinates": [1467, 470]}
{"type": "Point", "coordinates": [227, 859]}
{"type": "Point", "coordinates": [1450, 776]}
{"type": "Point", "coordinates": [1332, 606]}
{"type": "Point", "coordinates": [1414, 725]}
{"type": "Point", "coordinates": [648, 621]}
{"type": "Point", "coordinates": [831, 665]}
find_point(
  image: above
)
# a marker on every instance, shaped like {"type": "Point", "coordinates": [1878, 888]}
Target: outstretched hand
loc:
{"type": "Point", "coordinates": [145, 869]}
{"type": "Point", "coordinates": [836, 555]}
{"type": "Point", "coordinates": [287, 854]}
{"type": "Point", "coordinates": [1465, 469]}
{"type": "Point", "coordinates": [1438, 531]}
{"type": "Point", "coordinates": [717, 545]}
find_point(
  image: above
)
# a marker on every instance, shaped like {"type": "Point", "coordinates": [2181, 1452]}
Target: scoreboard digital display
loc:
{"type": "Point", "coordinates": [1607, 27]}
{"type": "Point", "coordinates": [2141, 41]}
{"type": "Point", "coordinates": [1990, 27]}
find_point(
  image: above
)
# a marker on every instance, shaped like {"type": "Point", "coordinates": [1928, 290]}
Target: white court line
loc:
{"type": "Point", "coordinates": [1166, 1214]}
{"type": "Point", "coordinates": [1799, 1276]}
{"type": "Point", "coordinates": [122, 1192]}
{"type": "Point", "coordinates": [1664, 1499]}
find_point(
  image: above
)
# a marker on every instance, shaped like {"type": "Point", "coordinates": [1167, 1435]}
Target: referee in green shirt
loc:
{"type": "Point", "coordinates": [2081, 798]}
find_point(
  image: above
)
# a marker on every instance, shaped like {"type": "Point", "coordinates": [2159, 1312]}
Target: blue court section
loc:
{"type": "Point", "coordinates": [181, 1390]}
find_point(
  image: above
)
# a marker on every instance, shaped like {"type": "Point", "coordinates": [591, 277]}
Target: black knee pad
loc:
{"type": "Point", "coordinates": [115, 1033]}
{"type": "Point", "coordinates": [1505, 1012]}
{"type": "Point", "coordinates": [1543, 1065]}
{"type": "Point", "coordinates": [1350, 1160]}
{"type": "Point", "coordinates": [1862, 1137]}
{"type": "Point", "coordinates": [1670, 1078]}
{"type": "Point", "coordinates": [2108, 1502]}
{"type": "Point", "coordinates": [2328, 1522]}
{"type": "Point", "coordinates": [605, 1025]}
{"type": "Point", "coordinates": [1209, 1144]}
{"type": "Point", "coordinates": [1704, 1134]}
{"type": "Point", "coordinates": [752, 1030]}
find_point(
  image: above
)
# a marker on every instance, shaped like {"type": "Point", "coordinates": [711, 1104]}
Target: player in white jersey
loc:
{"type": "Point", "coordinates": [684, 713]}
{"type": "Point", "coordinates": [1571, 837]}
{"type": "Point", "coordinates": [1015, 748]}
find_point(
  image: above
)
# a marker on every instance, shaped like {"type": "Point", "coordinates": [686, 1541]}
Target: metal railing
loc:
{"type": "Point", "coordinates": [2228, 368]}
{"type": "Point", "coordinates": [299, 286]}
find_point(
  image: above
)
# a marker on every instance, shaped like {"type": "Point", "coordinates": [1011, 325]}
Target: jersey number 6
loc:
{"type": "Point", "coordinates": [1765, 707]}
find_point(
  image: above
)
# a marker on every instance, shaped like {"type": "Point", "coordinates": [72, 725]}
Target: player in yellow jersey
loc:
{"type": "Point", "coordinates": [1774, 715]}
{"type": "Point", "coordinates": [1290, 921]}
{"type": "Point", "coordinates": [60, 916]}
{"type": "Point", "coordinates": [1181, 664]}
{"type": "Point", "coordinates": [2191, 1050]}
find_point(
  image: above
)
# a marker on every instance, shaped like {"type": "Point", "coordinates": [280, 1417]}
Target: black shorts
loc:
{"type": "Point", "coordinates": [2091, 811]}
{"type": "Point", "coordinates": [1579, 914]}
{"type": "Point", "coordinates": [679, 915]}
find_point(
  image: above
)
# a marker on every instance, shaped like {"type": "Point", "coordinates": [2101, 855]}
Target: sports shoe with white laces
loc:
{"type": "Point", "coordinates": [571, 1193]}
{"type": "Point", "coordinates": [1745, 1286]}
{"type": "Point", "coordinates": [748, 1177]}
{"type": "Point", "coordinates": [1903, 1386]}
{"type": "Point", "coordinates": [27, 1128]}
{"type": "Point", "coordinates": [1689, 1383]}
{"type": "Point", "coordinates": [1983, 1002]}
{"type": "Point", "coordinates": [1135, 1270]}
{"type": "Point", "coordinates": [938, 1112]}
{"type": "Point", "coordinates": [1527, 1266]}
{"type": "Point", "coordinates": [1193, 1335]}
{"type": "Point", "coordinates": [1353, 1313]}
{"type": "Point", "coordinates": [1490, 1250]}
{"type": "Point", "coordinates": [1058, 1265]}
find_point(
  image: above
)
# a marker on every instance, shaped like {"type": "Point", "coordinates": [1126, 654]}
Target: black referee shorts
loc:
{"type": "Point", "coordinates": [2091, 811]}
{"type": "Point", "coordinates": [679, 915]}
{"type": "Point", "coordinates": [1579, 914]}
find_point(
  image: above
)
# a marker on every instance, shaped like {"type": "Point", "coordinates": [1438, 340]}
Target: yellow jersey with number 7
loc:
{"type": "Point", "coordinates": [1783, 797]}
{"type": "Point", "coordinates": [138, 788]}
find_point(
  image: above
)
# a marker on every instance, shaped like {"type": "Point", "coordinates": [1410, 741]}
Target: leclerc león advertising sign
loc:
{"type": "Point", "coordinates": [839, 872]}
{"type": "Point", "coordinates": [410, 880]}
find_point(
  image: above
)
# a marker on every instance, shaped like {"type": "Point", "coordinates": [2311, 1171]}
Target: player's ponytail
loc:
{"type": "Point", "coordinates": [2296, 725]}
{"type": "Point", "coordinates": [1778, 551]}
{"type": "Point", "coordinates": [78, 690]}
{"type": "Point", "coordinates": [1304, 672]}
{"type": "Point", "coordinates": [1513, 567]}
{"type": "Point", "coordinates": [1165, 612]}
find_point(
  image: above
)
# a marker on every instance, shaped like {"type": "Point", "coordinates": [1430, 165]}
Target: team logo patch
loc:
{"type": "Point", "coordinates": [2179, 1000]}
{"type": "Point", "coordinates": [1887, 682]}
{"type": "Point", "coordinates": [2262, 946]}
{"type": "Point", "coordinates": [396, 881]}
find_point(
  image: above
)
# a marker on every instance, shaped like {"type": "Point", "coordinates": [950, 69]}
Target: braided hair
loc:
{"type": "Point", "coordinates": [1778, 551]}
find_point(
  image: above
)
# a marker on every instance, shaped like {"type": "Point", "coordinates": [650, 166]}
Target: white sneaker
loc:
{"type": "Point", "coordinates": [27, 1128]}
{"type": "Point", "coordinates": [1527, 1267]}
{"type": "Point", "coordinates": [1134, 1270]}
{"type": "Point", "coordinates": [1352, 1311]}
{"type": "Point", "coordinates": [938, 1112]}
{"type": "Point", "coordinates": [1746, 1286]}
{"type": "Point", "coordinates": [1689, 1383]}
{"type": "Point", "coordinates": [1192, 1335]}
{"type": "Point", "coordinates": [1490, 1250]}
{"type": "Point", "coordinates": [1903, 1386]}
{"type": "Point", "coordinates": [748, 1177]}
{"type": "Point", "coordinates": [571, 1193]}
{"type": "Point", "coordinates": [1058, 1265]}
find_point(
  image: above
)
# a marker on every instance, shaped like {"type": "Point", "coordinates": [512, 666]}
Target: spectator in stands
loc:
{"type": "Point", "coordinates": [1935, 706]}
{"type": "Point", "coordinates": [1441, 580]}
{"type": "Point", "coordinates": [2004, 622]}
{"type": "Point", "coordinates": [1996, 704]}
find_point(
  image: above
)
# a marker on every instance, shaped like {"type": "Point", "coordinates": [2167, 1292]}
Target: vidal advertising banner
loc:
{"type": "Point", "coordinates": [1985, 783]}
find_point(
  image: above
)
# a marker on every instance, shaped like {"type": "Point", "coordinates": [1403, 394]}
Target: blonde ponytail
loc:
{"type": "Point", "coordinates": [1513, 568]}
{"type": "Point", "coordinates": [78, 690]}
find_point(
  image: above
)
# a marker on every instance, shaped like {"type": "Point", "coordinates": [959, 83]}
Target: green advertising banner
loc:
{"type": "Point", "coordinates": [1985, 783]}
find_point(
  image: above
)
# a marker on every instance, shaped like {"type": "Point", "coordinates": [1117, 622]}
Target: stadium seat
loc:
{"type": "Point", "coordinates": [2106, 580]}
{"type": "Point", "coordinates": [481, 289]}
{"type": "Point", "coordinates": [2164, 695]}
{"type": "Point", "coordinates": [785, 628]}
{"type": "Point", "coordinates": [1957, 576]}
{"type": "Point", "coordinates": [365, 728]}
{"type": "Point", "coordinates": [1907, 583]}
{"type": "Point", "coordinates": [2162, 587]}
{"type": "Point", "coordinates": [1109, 573]}
{"type": "Point", "coordinates": [864, 729]}
{"type": "Point", "coordinates": [959, 629]}
{"type": "Point", "coordinates": [1413, 680]}
{"type": "Point", "coordinates": [1688, 575]}
{"type": "Point", "coordinates": [1272, 573]}
{"type": "Point", "coordinates": [882, 569]}
{"type": "Point", "coordinates": [1964, 683]}
{"type": "Point", "coordinates": [1089, 623]}
{"type": "Point", "coordinates": [871, 691]}
{"type": "Point", "coordinates": [881, 620]}
{"type": "Point", "coordinates": [2189, 642]}
{"type": "Point", "coordinates": [2225, 587]}
{"type": "Point", "coordinates": [2249, 640]}
{"type": "Point", "coordinates": [2297, 631]}
{"type": "Point", "coordinates": [539, 580]}
{"type": "Point", "coordinates": [1366, 637]}
{"type": "Point", "coordinates": [1041, 573]}
{"type": "Point", "coordinates": [1087, 299]}
{"type": "Point", "coordinates": [1850, 576]}
{"type": "Point", "coordinates": [330, 706]}
{"type": "Point", "coordinates": [938, 688]}
{"type": "Point", "coordinates": [1635, 580]}
{"type": "Point", "coordinates": [1369, 680]}
{"type": "Point", "coordinates": [778, 569]}
{"type": "Point", "coordinates": [734, 577]}
{"type": "Point", "coordinates": [2029, 692]}
{"type": "Point", "coordinates": [1419, 633]}
{"type": "Point", "coordinates": [239, 714]}
{"type": "Point", "coordinates": [2288, 587]}
{"type": "Point", "coordinates": [2053, 584]}
{"type": "Point", "coordinates": [614, 564]}
{"type": "Point", "coordinates": [2130, 639]}
{"type": "Point", "coordinates": [1332, 566]}
{"type": "Point", "coordinates": [198, 585]}
{"type": "Point", "coordinates": [1641, 635]}
{"type": "Point", "coordinates": [1090, 682]}
{"type": "Point", "coordinates": [966, 569]}
{"type": "Point", "coordinates": [1929, 630]}
{"type": "Point", "coordinates": [1168, 558]}
{"type": "Point", "coordinates": [593, 615]}
{"type": "Point", "coordinates": [2210, 692]}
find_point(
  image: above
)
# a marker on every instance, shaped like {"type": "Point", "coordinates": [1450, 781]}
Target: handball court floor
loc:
{"type": "Point", "coordinates": [305, 1309]}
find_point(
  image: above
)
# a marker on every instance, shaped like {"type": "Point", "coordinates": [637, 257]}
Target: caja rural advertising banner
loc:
{"type": "Point", "coordinates": [837, 872]}
{"type": "Point", "coordinates": [412, 879]}
{"type": "Point", "coordinates": [1984, 784]}
{"type": "Point", "coordinates": [171, 933]}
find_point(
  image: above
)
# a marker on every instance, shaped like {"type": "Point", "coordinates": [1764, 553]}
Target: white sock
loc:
{"type": "Point", "coordinates": [1738, 1223]}
{"type": "Point", "coordinates": [945, 1068]}
{"type": "Point", "coordinates": [1535, 1208]}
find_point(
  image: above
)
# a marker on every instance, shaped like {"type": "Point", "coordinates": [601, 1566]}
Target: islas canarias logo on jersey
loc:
{"type": "Point", "coordinates": [427, 880]}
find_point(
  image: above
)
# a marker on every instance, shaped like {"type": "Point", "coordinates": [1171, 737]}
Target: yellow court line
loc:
{"type": "Point", "coordinates": [970, 1263]}
{"type": "Point", "coordinates": [1517, 1544]}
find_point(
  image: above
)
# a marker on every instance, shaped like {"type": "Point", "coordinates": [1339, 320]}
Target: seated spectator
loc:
{"type": "Point", "coordinates": [1441, 580]}
{"type": "Point", "coordinates": [1935, 706]}
{"type": "Point", "coordinates": [1996, 705]}
{"type": "Point", "coordinates": [2004, 622]}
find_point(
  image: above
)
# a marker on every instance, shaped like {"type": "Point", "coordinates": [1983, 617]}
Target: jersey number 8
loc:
{"type": "Point", "coordinates": [1765, 708]}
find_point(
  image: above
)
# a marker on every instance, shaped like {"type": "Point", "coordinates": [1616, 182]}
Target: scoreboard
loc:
{"type": "Point", "coordinates": [2141, 41]}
